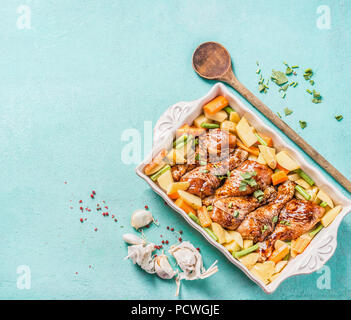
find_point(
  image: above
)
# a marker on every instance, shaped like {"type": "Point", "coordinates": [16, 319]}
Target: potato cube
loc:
{"type": "Point", "coordinates": [192, 200]}
{"type": "Point", "coordinates": [260, 159]}
{"type": "Point", "coordinates": [165, 180]}
{"type": "Point", "coordinates": [245, 133]}
{"type": "Point", "coordinates": [287, 162]}
{"type": "Point", "coordinates": [279, 243]}
{"type": "Point", "coordinates": [200, 120]}
{"type": "Point", "coordinates": [234, 235]}
{"type": "Point", "coordinates": [300, 244]}
{"type": "Point", "coordinates": [268, 155]}
{"type": "Point", "coordinates": [219, 116]}
{"type": "Point", "coordinates": [330, 216]}
{"type": "Point", "coordinates": [250, 259]}
{"type": "Point", "coordinates": [232, 246]}
{"type": "Point", "coordinates": [219, 232]}
{"type": "Point", "coordinates": [252, 157]}
{"type": "Point", "coordinates": [234, 117]}
{"type": "Point", "coordinates": [293, 177]}
{"type": "Point", "coordinates": [174, 187]}
{"type": "Point", "coordinates": [247, 244]}
{"type": "Point", "coordinates": [323, 196]}
{"type": "Point", "coordinates": [264, 270]}
{"type": "Point", "coordinates": [228, 126]}
{"type": "Point", "coordinates": [176, 156]}
{"type": "Point", "coordinates": [303, 184]}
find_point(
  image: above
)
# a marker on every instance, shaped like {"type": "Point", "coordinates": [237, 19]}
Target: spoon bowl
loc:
{"type": "Point", "coordinates": [211, 60]}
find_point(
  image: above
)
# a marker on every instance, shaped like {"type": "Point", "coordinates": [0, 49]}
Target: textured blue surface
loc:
{"type": "Point", "coordinates": [88, 70]}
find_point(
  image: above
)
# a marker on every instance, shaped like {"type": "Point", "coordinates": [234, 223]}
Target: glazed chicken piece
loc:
{"type": "Point", "coordinates": [232, 184]}
{"type": "Point", "coordinates": [296, 218]}
{"type": "Point", "coordinates": [216, 145]}
{"type": "Point", "coordinates": [180, 170]}
{"type": "Point", "coordinates": [230, 212]}
{"type": "Point", "coordinates": [260, 223]}
{"type": "Point", "coordinates": [204, 180]}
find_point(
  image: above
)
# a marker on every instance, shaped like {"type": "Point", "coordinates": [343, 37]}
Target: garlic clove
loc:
{"type": "Point", "coordinates": [132, 239]}
{"type": "Point", "coordinates": [163, 267]}
{"type": "Point", "coordinates": [141, 218]}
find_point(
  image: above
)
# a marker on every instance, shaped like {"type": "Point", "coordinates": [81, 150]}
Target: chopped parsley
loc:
{"type": "Point", "coordinates": [230, 205]}
{"type": "Point", "coordinates": [247, 180]}
{"type": "Point", "coordinates": [209, 208]}
{"type": "Point", "coordinates": [308, 74]}
{"type": "Point", "coordinates": [303, 124]}
{"type": "Point", "coordinates": [285, 222]}
{"type": "Point", "coordinates": [279, 77]}
{"type": "Point", "coordinates": [236, 213]}
{"type": "Point", "coordinates": [264, 228]}
{"type": "Point", "coordinates": [259, 195]}
{"type": "Point", "coordinates": [317, 98]}
{"type": "Point", "coordinates": [339, 117]}
{"type": "Point", "coordinates": [287, 111]}
{"type": "Point", "coordinates": [275, 219]}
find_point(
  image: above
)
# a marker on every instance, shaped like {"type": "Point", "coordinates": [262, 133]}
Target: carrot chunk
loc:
{"type": "Point", "coordinates": [204, 217]}
{"type": "Point", "coordinates": [194, 131]}
{"type": "Point", "coordinates": [253, 150]}
{"type": "Point", "coordinates": [279, 177]}
{"type": "Point", "coordinates": [215, 105]}
{"type": "Point", "coordinates": [184, 206]}
{"type": "Point", "coordinates": [282, 169]}
{"type": "Point", "coordinates": [279, 253]}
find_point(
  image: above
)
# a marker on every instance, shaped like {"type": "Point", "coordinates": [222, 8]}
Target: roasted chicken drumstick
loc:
{"type": "Point", "coordinates": [260, 223]}
{"type": "Point", "coordinates": [232, 185]}
{"type": "Point", "coordinates": [229, 212]}
{"type": "Point", "coordinates": [296, 218]}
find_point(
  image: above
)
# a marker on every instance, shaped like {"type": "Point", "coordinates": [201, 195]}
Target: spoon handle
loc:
{"type": "Point", "coordinates": [269, 114]}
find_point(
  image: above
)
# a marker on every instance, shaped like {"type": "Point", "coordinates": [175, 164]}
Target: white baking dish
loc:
{"type": "Point", "coordinates": [322, 246]}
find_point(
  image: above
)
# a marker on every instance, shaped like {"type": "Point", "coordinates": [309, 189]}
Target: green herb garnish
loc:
{"type": "Point", "coordinates": [288, 71]}
{"type": "Point", "coordinates": [275, 219]}
{"type": "Point", "coordinates": [287, 111]}
{"type": "Point", "coordinates": [230, 205]}
{"type": "Point", "coordinates": [247, 180]}
{"type": "Point", "coordinates": [303, 124]}
{"type": "Point", "coordinates": [236, 213]}
{"type": "Point", "coordinates": [209, 208]}
{"type": "Point", "coordinates": [259, 195]}
{"type": "Point", "coordinates": [279, 77]}
{"type": "Point", "coordinates": [285, 222]}
{"type": "Point", "coordinates": [264, 228]}
{"type": "Point", "coordinates": [339, 117]}
{"type": "Point", "coordinates": [308, 74]}
{"type": "Point", "coordinates": [317, 98]}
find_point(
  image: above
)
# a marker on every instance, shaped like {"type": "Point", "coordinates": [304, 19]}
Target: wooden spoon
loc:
{"type": "Point", "coordinates": [212, 61]}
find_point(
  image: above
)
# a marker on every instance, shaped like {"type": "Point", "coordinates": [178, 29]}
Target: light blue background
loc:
{"type": "Point", "coordinates": [88, 70]}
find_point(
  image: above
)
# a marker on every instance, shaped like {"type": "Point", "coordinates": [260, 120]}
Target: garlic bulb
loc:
{"type": "Point", "coordinates": [141, 254]}
{"type": "Point", "coordinates": [141, 218]}
{"type": "Point", "coordinates": [132, 239]}
{"type": "Point", "coordinates": [190, 261]}
{"type": "Point", "coordinates": [163, 268]}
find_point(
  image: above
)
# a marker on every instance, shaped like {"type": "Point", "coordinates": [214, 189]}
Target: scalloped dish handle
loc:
{"type": "Point", "coordinates": [318, 254]}
{"type": "Point", "coordinates": [173, 115]}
